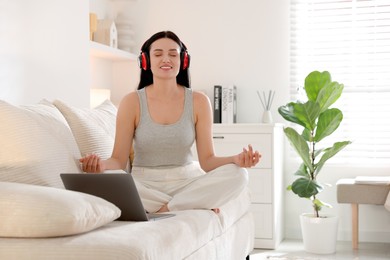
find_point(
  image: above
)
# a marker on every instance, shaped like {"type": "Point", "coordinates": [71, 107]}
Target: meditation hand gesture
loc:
{"type": "Point", "coordinates": [247, 158]}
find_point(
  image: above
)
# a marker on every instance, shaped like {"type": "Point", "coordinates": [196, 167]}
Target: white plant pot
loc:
{"type": "Point", "coordinates": [319, 234]}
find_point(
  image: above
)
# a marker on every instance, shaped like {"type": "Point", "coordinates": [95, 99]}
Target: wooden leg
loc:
{"type": "Point", "coordinates": [355, 226]}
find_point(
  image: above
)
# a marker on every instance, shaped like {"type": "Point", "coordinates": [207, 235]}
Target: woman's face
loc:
{"type": "Point", "coordinates": [165, 58]}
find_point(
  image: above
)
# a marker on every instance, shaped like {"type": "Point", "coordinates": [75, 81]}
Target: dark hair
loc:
{"type": "Point", "coordinates": [146, 77]}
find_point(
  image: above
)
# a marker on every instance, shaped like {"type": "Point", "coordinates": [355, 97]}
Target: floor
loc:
{"type": "Point", "coordinates": [293, 250]}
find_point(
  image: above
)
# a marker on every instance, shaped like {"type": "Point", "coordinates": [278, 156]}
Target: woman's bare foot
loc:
{"type": "Point", "coordinates": [163, 209]}
{"type": "Point", "coordinates": [216, 211]}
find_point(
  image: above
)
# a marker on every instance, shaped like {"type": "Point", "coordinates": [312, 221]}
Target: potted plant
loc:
{"type": "Point", "coordinates": [318, 121]}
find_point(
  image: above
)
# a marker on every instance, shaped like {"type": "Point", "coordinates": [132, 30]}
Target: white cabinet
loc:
{"type": "Point", "coordinates": [265, 179]}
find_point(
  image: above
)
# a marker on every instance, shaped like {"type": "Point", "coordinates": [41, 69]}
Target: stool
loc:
{"type": "Point", "coordinates": [350, 192]}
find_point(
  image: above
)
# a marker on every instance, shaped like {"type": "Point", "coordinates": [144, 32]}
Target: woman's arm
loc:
{"type": "Point", "coordinates": [126, 121]}
{"type": "Point", "coordinates": [204, 141]}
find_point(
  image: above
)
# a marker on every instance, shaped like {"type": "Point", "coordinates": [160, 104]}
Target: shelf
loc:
{"type": "Point", "coordinates": [103, 51]}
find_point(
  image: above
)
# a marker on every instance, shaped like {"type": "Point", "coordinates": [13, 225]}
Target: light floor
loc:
{"type": "Point", "coordinates": [293, 249]}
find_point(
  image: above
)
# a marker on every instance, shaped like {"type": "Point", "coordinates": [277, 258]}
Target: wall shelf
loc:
{"type": "Point", "coordinates": [103, 51]}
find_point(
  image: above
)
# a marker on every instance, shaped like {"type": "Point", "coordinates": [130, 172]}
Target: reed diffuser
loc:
{"type": "Point", "coordinates": [266, 102]}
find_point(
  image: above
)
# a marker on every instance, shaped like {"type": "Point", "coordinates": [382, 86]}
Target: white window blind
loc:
{"type": "Point", "coordinates": [351, 40]}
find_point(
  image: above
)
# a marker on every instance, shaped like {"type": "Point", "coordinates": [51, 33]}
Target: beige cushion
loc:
{"type": "Point", "coordinates": [36, 145]}
{"type": "Point", "coordinates": [93, 129]}
{"type": "Point", "coordinates": [37, 211]}
{"type": "Point", "coordinates": [350, 192]}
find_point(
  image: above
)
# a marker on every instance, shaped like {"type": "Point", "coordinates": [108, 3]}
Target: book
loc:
{"type": "Point", "coordinates": [229, 105]}
{"type": "Point", "coordinates": [217, 104]}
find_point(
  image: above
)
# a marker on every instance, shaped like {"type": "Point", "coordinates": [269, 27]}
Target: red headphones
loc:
{"type": "Point", "coordinates": [144, 61]}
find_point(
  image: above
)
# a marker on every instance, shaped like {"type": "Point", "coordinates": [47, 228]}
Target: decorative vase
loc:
{"type": "Point", "coordinates": [319, 234]}
{"type": "Point", "coordinates": [267, 117]}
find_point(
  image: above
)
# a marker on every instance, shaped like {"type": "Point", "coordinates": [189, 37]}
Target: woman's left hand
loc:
{"type": "Point", "coordinates": [247, 158]}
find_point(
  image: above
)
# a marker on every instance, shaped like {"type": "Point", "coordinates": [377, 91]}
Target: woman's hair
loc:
{"type": "Point", "coordinates": [146, 77]}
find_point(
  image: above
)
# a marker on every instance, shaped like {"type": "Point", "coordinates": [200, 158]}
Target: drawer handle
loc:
{"type": "Point", "coordinates": [218, 137]}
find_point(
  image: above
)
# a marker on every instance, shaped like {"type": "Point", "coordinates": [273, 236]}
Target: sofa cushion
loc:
{"type": "Point", "coordinates": [93, 129]}
{"type": "Point", "coordinates": [37, 211]}
{"type": "Point", "coordinates": [36, 145]}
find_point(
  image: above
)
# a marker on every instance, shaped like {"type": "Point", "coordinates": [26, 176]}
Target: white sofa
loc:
{"type": "Point", "coordinates": [39, 219]}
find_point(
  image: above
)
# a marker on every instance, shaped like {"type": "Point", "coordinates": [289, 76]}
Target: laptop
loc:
{"type": "Point", "coordinates": [117, 188]}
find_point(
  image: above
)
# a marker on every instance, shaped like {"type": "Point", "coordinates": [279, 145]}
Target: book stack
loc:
{"type": "Point", "coordinates": [225, 104]}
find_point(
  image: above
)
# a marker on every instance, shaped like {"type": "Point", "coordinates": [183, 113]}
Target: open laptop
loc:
{"type": "Point", "coordinates": [117, 188]}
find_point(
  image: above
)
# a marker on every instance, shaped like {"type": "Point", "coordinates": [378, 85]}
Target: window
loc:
{"type": "Point", "coordinates": [351, 40]}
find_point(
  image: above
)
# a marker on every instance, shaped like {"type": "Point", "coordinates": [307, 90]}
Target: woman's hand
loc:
{"type": "Point", "coordinates": [247, 158]}
{"type": "Point", "coordinates": [91, 163]}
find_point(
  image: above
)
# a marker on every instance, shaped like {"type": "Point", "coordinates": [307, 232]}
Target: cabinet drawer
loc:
{"type": "Point", "coordinates": [263, 220]}
{"type": "Point", "coordinates": [230, 144]}
{"type": "Point", "coordinates": [260, 184]}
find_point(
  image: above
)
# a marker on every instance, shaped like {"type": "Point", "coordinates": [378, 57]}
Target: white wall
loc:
{"type": "Point", "coordinates": [44, 51]}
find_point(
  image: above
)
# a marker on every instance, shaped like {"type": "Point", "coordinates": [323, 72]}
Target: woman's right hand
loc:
{"type": "Point", "coordinates": [91, 163]}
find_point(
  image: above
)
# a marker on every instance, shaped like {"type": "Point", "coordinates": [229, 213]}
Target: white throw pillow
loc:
{"type": "Point", "coordinates": [37, 211]}
{"type": "Point", "coordinates": [36, 145]}
{"type": "Point", "coordinates": [93, 129]}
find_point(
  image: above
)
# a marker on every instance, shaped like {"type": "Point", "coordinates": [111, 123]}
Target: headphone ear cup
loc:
{"type": "Point", "coordinates": [143, 61]}
{"type": "Point", "coordinates": [185, 60]}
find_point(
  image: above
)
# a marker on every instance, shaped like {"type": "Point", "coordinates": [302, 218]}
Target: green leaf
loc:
{"type": "Point", "coordinates": [302, 171]}
{"type": "Point", "coordinates": [287, 112]}
{"type": "Point", "coordinates": [307, 113]}
{"type": "Point", "coordinates": [321, 204]}
{"type": "Point", "coordinates": [327, 123]}
{"type": "Point", "coordinates": [329, 94]}
{"type": "Point", "coordinates": [300, 146]}
{"type": "Point", "coordinates": [329, 153]}
{"type": "Point", "coordinates": [314, 82]}
{"type": "Point", "coordinates": [305, 188]}
{"type": "Point", "coordinates": [307, 135]}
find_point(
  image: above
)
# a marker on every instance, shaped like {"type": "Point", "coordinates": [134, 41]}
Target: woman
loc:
{"type": "Point", "coordinates": [163, 118]}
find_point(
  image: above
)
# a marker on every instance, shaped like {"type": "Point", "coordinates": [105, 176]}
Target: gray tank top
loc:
{"type": "Point", "coordinates": [164, 146]}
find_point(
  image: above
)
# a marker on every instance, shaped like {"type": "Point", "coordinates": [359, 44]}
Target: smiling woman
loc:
{"type": "Point", "coordinates": [174, 48]}
{"type": "Point", "coordinates": [164, 118]}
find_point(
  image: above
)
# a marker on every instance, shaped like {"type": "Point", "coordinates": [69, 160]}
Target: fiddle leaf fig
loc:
{"type": "Point", "coordinates": [318, 121]}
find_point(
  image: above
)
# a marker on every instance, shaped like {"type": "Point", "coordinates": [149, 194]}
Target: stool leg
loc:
{"type": "Point", "coordinates": [355, 225]}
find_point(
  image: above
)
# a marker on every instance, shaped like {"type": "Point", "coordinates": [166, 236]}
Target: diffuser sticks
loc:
{"type": "Point", "coordinates": [266, 100]}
